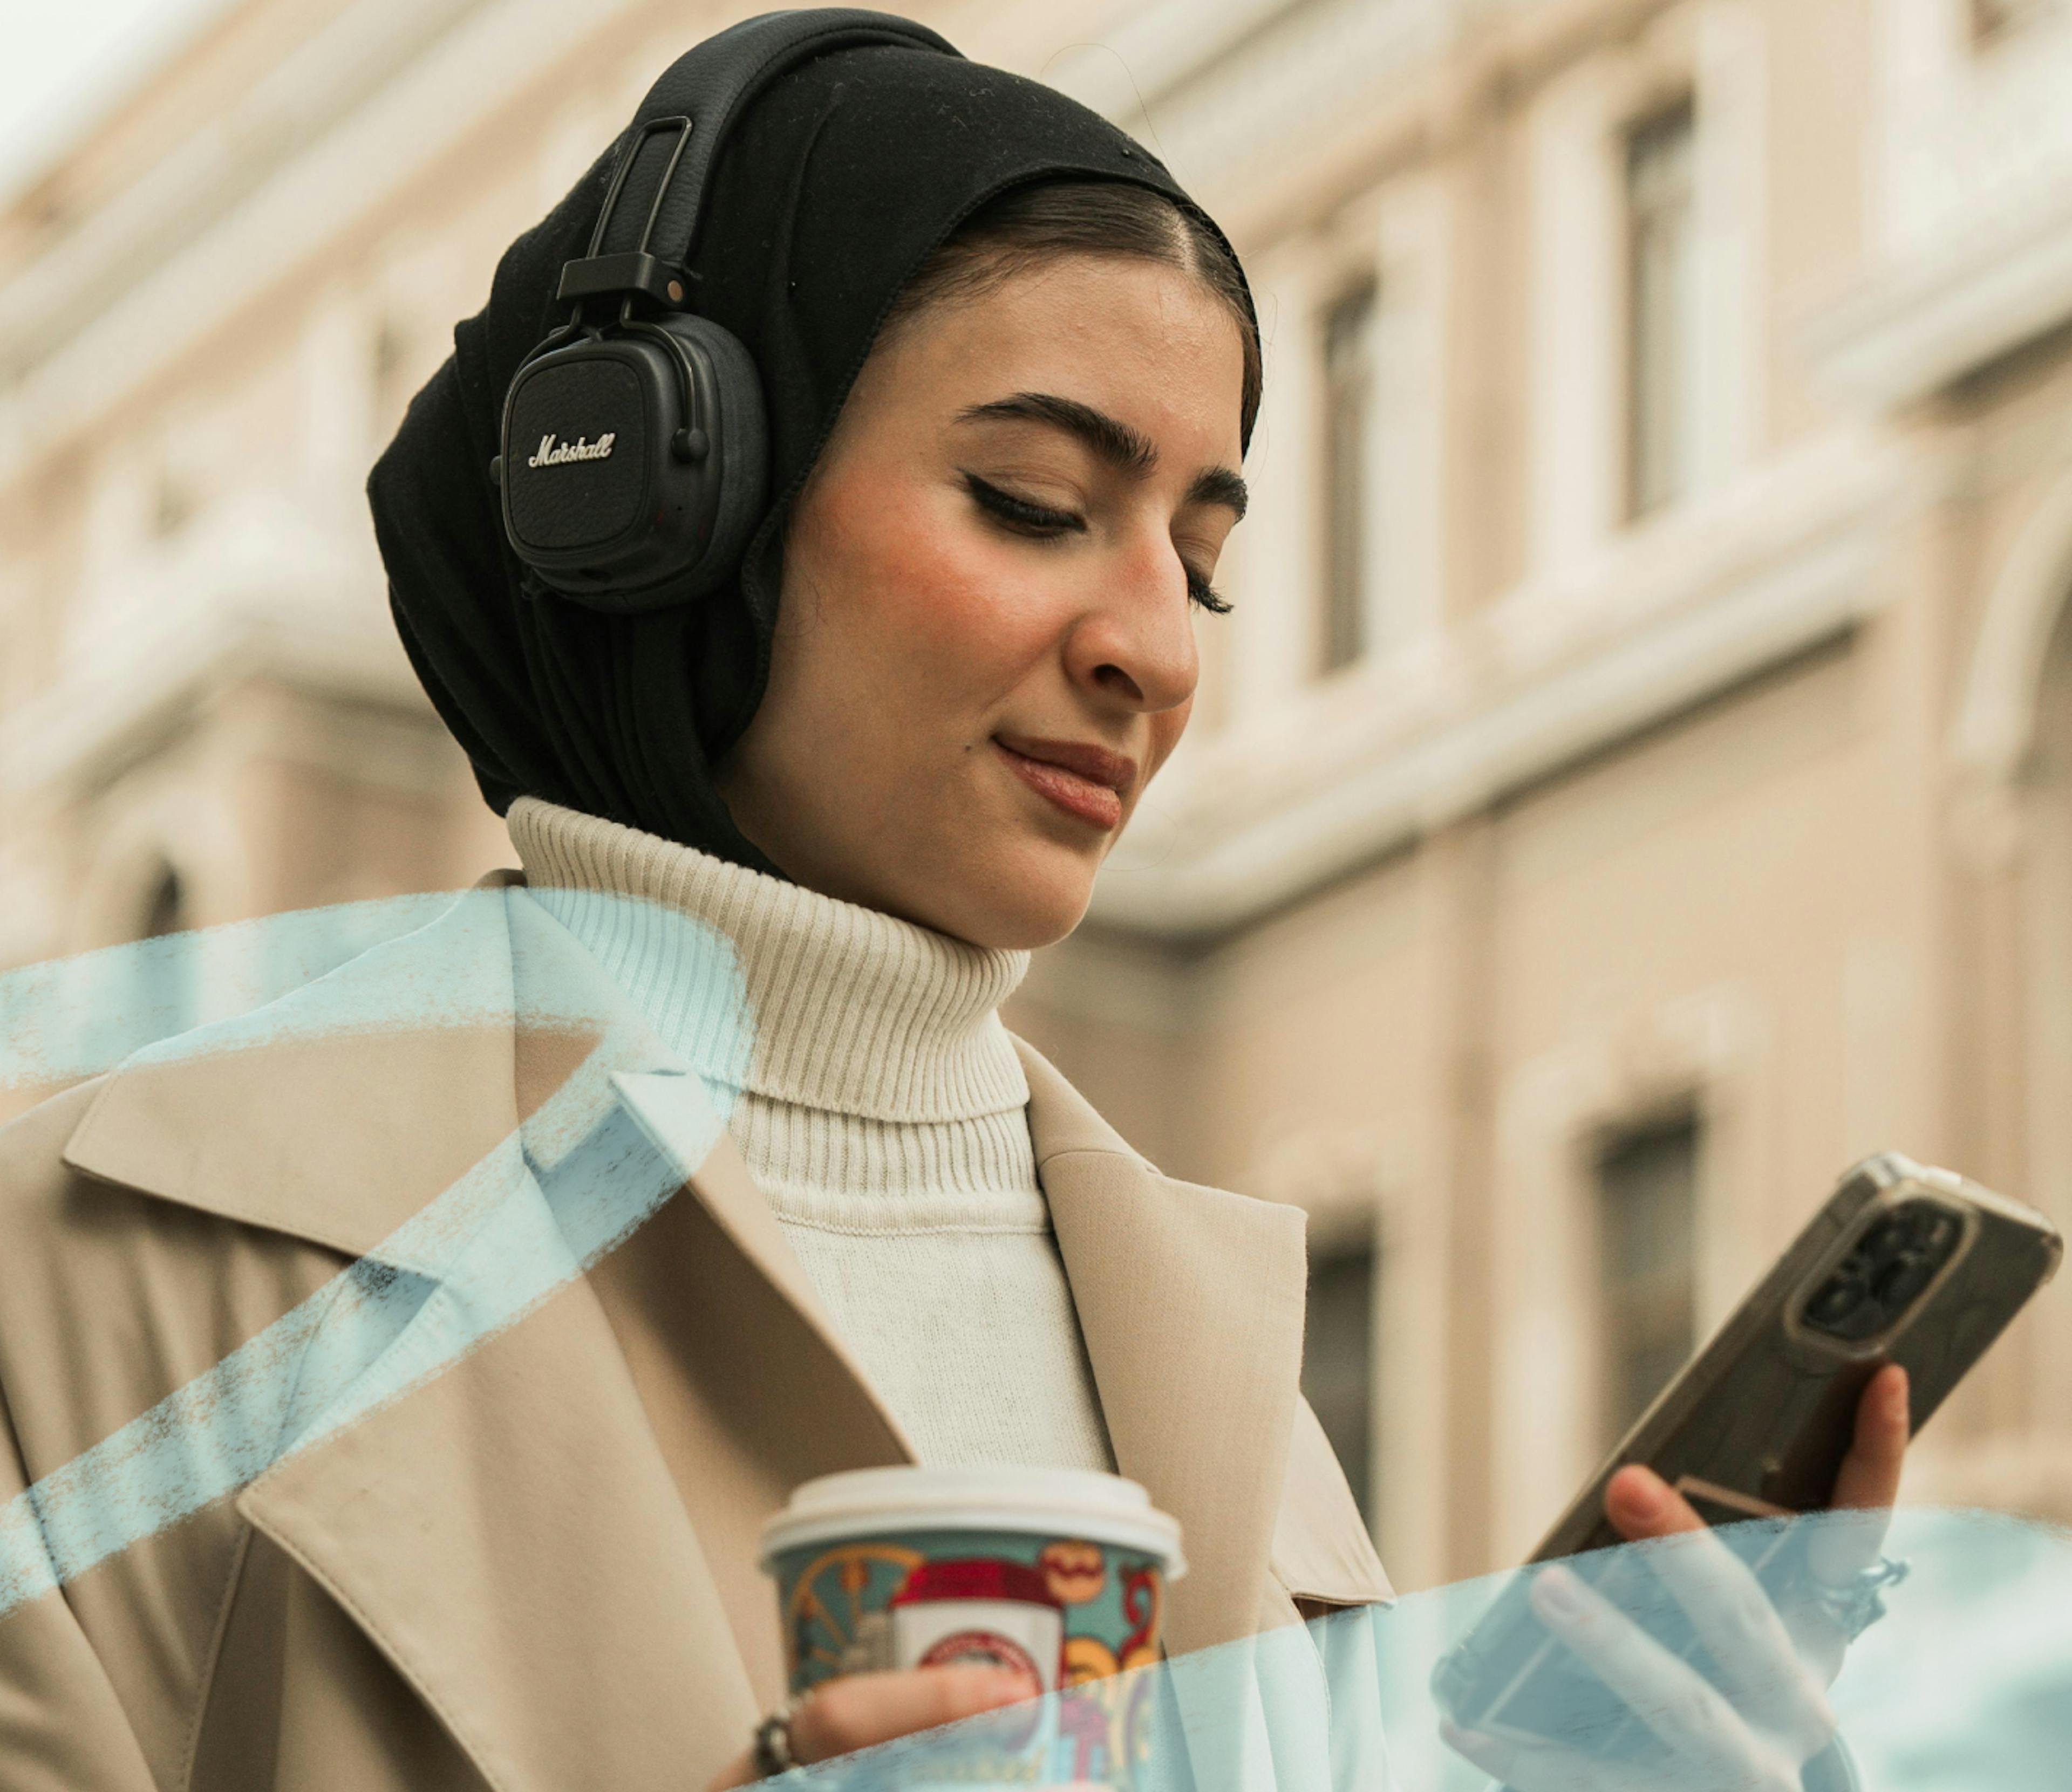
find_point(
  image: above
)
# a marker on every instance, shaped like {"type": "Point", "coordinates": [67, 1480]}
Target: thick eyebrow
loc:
{"type": "Point", "coordinates": [1127, 449]}
{"type": "Point", "coordinates": [1219, 485]}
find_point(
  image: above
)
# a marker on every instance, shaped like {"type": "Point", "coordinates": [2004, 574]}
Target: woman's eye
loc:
{"type": "Point", "coordinates": [1201, 592]}
{"type": "Point", "coordinates": [1021, 514]}
{"type": "Point", "coordinates": [1026, 517]}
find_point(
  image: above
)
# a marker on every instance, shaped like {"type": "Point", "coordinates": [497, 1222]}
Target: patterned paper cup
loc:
{"type": "Point", "coordinates": [1059, 1575]}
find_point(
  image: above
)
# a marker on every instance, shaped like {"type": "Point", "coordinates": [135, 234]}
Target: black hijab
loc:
{"type": "Point", "coordinates": [835, 186]}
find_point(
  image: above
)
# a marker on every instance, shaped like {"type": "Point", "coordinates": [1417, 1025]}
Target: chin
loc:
{"type": "Point", "coordinates": [1017, 902]}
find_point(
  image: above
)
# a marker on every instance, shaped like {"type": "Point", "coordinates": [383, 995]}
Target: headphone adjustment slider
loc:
{"type": "Point", "coordinates": [636, 271]}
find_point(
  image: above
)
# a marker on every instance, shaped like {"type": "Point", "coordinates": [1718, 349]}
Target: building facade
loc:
{"type": "Point", "coordinates": [1635, 780]}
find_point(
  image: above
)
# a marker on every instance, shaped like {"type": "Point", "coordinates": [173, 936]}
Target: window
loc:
{"type": "Point", "coordinates": [1338, 1358]}
{"type": "Point", "coordinates": [1647, 1183]}
{"type": "Point", "coordinates": [1661, 300]}
{"type": "Point", "coordinates": [1348, 345]}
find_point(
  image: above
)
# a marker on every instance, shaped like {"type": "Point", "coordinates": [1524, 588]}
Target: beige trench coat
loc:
{"type": "Point", "coordinates": [497, 1579]}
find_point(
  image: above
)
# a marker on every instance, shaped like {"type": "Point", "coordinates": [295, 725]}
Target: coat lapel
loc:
{"type": "Point", "coordinates": [1190, 1300]}
{"type": "Point", "coordinates": [509, 1536]}
{"type": "Point", "coordinates": [506, 1529]}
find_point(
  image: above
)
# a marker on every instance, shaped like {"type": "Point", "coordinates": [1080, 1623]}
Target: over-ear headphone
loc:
{"type": "Point", "coordinates": [635, 453]}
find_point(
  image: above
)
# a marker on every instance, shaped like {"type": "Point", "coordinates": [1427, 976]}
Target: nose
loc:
{"type": "Point", "coordinates": [1135, 645]}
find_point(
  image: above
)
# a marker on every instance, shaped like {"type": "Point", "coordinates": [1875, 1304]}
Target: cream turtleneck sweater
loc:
{"type": "Point", "coordinates": [883, 1112]}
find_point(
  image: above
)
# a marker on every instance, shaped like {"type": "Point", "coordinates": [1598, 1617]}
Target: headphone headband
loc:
{"type": "Point", "coordinates": [650, 216]}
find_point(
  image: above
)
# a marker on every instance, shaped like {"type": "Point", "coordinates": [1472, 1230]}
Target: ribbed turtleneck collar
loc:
{"type": "Point", "coordinates": [856, 1012]}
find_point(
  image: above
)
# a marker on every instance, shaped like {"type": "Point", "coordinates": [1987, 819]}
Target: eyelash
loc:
{"type": "Point", "coordinates": [1041, 522]}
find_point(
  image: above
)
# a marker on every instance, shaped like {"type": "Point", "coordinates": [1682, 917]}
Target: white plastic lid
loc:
{"type": "Point", "coordinates": [869, 1503]}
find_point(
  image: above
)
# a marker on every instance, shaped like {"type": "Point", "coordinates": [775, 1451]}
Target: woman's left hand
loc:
{"type": "Point", "coordinates": [1769, 1715]}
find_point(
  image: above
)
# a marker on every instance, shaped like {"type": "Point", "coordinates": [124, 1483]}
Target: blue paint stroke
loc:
{"type": "Point", "coordinates": [598, 1158]}
{"type": "Point", "coordinates": [67, 1019]}
{"type": "Point", "coordinates": [1965, 1686]}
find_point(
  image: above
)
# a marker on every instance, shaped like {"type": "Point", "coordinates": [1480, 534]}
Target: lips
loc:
{"type": "Point", "coordinates": [1084, 780]}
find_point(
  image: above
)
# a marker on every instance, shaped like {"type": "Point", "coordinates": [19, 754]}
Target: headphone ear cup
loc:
{"type": "Point", "coordinates": [738, 446]}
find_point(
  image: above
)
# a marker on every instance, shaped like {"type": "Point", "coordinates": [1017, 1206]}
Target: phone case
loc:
{"type": "Point", "coordinates": [1757, 1425]}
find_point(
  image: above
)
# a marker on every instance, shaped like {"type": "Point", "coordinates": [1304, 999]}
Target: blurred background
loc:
{"type": "Point", "coordinates": [1636, 780]}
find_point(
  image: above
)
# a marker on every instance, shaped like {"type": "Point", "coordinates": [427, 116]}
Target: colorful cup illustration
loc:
{"type": "Point", "coordinates": [1058, 1574]}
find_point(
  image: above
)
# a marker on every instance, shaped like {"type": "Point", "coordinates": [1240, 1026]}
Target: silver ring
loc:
{"type": "Point", "coordinates": [1857, 1603]}
{"type": "Point", "coordinates": [773, 1752]}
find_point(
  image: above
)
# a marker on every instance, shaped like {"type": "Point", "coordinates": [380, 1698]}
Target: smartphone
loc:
{"type": "Point", "coordinates": [1904, 1264]}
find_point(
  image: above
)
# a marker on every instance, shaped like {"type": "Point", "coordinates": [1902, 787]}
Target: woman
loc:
{"type": "Point", "coordinates": [1011, 371]}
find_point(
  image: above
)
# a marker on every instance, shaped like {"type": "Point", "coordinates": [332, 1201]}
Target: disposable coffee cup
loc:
{"type": "Point", "coordinates": [1058, 1576]}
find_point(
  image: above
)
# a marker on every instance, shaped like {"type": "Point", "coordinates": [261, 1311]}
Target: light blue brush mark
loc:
{"type": "Point", "coordinates": [72, 1018]}
{"type": "Point", "coordinates": [1965, 1686]}
{"type": "Point", "coordinates": [572, 1182]}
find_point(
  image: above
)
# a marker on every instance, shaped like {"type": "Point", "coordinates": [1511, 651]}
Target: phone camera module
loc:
{"type": "Point", "coordinates": [1894, 1261]}
{"type": "Point", "coordinates": [1843, 1306]}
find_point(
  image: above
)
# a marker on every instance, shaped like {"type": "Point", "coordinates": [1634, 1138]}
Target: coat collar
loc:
{"type": "Point", "coordinates": [340, 1113]}
{"type": "Point", "coordinates": [337, 1113]}
{"type": "Point", "coordinates": [557, 1647]}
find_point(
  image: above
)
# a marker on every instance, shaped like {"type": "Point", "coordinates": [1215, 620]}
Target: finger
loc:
{"type": "Point", "coordinates": [1869, 1482]}
{"type": "Point", "coordinates": [1760, 1666]}
{"type": "Point", "coordinates": [1640, 1504]}
{"type": "Point", "coordinates": [1670, 1696]}
{"type": "Point", "coordinates": [1740, 1625]}
{"type": "Point", "coordinates": [1727, 1605]}
{"type": "Point", "coordinates": [1547, 1767]}
{"type": "Point", "coordinates": [859, 1711]}
{"type": "Point", "coordinates": [1870, 1472]}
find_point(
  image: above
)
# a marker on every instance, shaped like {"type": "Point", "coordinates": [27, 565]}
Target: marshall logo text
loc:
{"type": "Point", "coordinates": [553, 454]}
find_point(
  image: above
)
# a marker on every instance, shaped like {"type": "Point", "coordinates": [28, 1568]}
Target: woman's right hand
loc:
{"type": "Point", "coordinates": [859, 1711]}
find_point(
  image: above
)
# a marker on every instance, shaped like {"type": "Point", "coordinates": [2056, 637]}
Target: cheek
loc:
{"type": "Point", "coordinates": [931, 594]}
